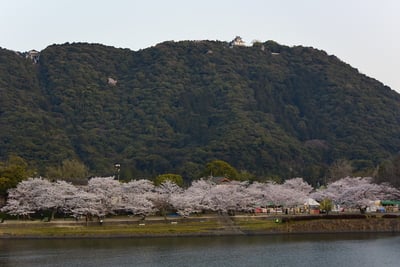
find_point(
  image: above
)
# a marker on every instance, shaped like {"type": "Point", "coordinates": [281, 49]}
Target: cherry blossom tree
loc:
{"type": "Point", "coordinates": [104, 195]}
{"type": "Point", "coordinates": [192, 200]}
{"type": "Point", "coordinates": [356, 192]}
{"type": "Point", "coordinates": [37, 194]}
{"type": "Point", "coordinates": [294, 192]}
{"type": "Point", "coordinates": [108, 191]}
{"type": "Point", "coordinates": [85, 204]}
{"type": "Point", "coordinates": [53, 197]}
{"type": "Point", "coordinates": [138, 186]}
{"type": "Point", "coordinates": [260, 194]}
{"type": "Point", "coordinates": [228, 197]}
{"type": "Point", "coordinates": [23, 200]}
{"type": "Point", "coordinates": [298, 184]}
{"type": "Point", "coordinates": [291, 193]}
{"type": "Point", "coordinates": [137, 197]}
{"type": "Point", "coordinates": [162, 199]}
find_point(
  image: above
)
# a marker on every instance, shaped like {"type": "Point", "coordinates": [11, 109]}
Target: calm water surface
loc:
{"type": "Point", "coordinates": [299, 250]}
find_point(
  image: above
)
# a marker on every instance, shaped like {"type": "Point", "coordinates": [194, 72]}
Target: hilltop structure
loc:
{"type": "Point", "coordinates": [33, 55]}
{"type": "Point", "coordinates": [238, 41]}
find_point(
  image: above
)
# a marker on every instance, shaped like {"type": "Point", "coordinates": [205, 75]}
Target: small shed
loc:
{"type": "Point", "coordinates": [312, 206]}
{"type": "Point", "coordinates": [311, 202]}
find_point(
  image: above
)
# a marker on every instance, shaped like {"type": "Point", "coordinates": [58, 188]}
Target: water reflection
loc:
{"type": "Point", "coordinates": [280, 250]}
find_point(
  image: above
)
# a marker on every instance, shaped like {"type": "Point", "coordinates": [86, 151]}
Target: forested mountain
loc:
{"type": "Point", "coordinates": [270, 109]}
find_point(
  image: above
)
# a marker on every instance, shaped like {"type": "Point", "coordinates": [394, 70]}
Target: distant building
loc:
{"type": "Point", "coordinates": [238, 41]}
{"type": "Point", "coordinates": [33, 55]}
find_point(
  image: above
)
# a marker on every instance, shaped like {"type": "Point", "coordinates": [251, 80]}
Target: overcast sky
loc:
{"type": "Point", "coordinates": [363, 33]}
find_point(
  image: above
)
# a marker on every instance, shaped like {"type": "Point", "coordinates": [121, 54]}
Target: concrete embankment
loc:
{"type": "Point", "coordinates": [349, 223]}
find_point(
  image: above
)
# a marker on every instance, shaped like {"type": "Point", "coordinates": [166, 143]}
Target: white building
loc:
{"type": "Point", "coordinates": [33, 55]}
{"type": "Point", "coordinates": [238, 41]}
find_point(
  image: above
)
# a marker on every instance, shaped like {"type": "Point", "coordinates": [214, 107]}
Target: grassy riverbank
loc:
{"type": "Point", "coordinates": [108, 230]}
{"type": "Point", "coordinates": [197, 226]}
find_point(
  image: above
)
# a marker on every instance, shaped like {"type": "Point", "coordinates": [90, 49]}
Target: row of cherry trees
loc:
{"type": "Point", "coordinates": [104, 196]}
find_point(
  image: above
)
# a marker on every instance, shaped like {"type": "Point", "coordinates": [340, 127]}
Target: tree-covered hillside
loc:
{"type": "Point", "coordinates": [273, 110]}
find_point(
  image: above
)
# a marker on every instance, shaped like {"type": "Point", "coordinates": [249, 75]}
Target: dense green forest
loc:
{"type": "Point", "coordinates": [269, 110]}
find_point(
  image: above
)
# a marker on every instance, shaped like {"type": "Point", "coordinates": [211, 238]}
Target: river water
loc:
{"type": "Point", "coordinates": [276, 250]}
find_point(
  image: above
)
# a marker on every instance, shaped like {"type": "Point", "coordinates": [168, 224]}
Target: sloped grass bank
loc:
{"type": "Point", "coordinates": [120, 229]}
{"type": "Point", "coordinates": [243, 225]}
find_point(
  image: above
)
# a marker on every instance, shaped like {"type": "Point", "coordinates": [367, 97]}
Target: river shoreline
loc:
{"type": "Point", "coordinates": [200, 227]}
